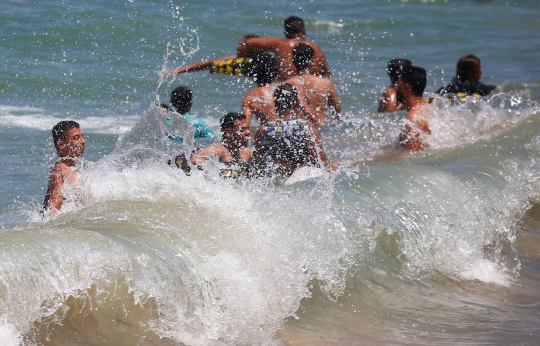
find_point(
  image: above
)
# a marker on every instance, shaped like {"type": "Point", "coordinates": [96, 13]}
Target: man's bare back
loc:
{"type": "Point", "coordinates": [320, 94]}
{"type": "Point", "coordinates": [416, 126]}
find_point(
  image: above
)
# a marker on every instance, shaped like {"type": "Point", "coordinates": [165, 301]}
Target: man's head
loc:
{"type": "Point", "coordinates": [182, 99]}
{"type": "Point", "coordinates": [235, 129]}
{"type": "Point", "coordinates": [285, 97]}
{"type": "Point", "coordinates": [469, 68]}
{"type": "Point", "coordinates": [412, 81]}
{"type": "Point", "coordinates": [165, 108]}
{"type": "Point", "coordinates": [302, 55]}
{"type": "Point", "coordinates": [294, 26]}
{"type": "Point", "coordinates": [262, 68]}
{"type": "Point", "coordinates": [68, 139]}
{"type": "Point", "coordinates": [394, 68]}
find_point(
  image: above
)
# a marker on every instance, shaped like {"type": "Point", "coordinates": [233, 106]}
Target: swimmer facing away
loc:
{"type": "Point", "coordinates": [289, 142]}
{"type": "Point", "coordinates": [409, 91]}
{"type": "Point", "coordinates": [320, 93]}
{"type": "Point", "coordinates": [467, 79]}
{"type": "Point", "coordinates": [70, 144]}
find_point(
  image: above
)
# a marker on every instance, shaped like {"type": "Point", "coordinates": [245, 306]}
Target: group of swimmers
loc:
{"type": "Point", "coordinates": [291, 101]}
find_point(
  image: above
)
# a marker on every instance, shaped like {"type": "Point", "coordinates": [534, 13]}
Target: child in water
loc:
{"type": "Point", "coordinates": [70, 144]}
{"type": "Point", "coordinates": [182, 101]}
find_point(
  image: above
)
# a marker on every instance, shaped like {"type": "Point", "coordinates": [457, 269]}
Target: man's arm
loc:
{"type": "Point", "coordinates": [333, 100]}
{"type": "Point", "coordinates": [246, 107]}
{"type": "Point", "coordinates": [198, 66]}
{"type": "Point", "coordinates": [388, 101]}
{"type": "Point", "coordinates": [53, 197]}
{"type": "Point", "coordinates": [254, 45]}
{"type": "Point", "coordinates": [198, 157]}
{"type": "Point", "coordinates": [324, 66]}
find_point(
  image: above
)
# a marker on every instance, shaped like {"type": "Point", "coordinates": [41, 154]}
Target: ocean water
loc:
{"type": "Point", "coordinates": [439, 247]}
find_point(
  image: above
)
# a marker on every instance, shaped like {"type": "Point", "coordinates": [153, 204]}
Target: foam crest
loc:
{"type": "Point", "coordinates": [43, 120]}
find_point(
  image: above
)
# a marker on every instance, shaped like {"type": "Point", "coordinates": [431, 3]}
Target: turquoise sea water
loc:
{"type": "Point", "coordinates": [440, 247]}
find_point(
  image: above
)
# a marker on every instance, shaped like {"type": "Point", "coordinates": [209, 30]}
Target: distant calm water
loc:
{"type": "Point", "coordinates": [435, 248]}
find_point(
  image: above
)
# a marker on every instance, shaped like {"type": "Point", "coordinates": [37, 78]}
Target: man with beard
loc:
{"type": "Point", "coordinates": [409, 91]}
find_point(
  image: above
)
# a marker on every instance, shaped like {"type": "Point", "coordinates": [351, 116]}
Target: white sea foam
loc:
{"type": "Point", "coordinates": [40, 119]}
{"type": "Point", "coordinates": [8, 333]}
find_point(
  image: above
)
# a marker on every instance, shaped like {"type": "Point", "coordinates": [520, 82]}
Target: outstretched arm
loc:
{"type": "Point", "coordinates": [198, 66]}
{"type": "Point", "coordinates": [198, 157]}
{"type": "Point", "coordinates": [53, 197]}
{"type": "Point", "coordinates": [250, 46]}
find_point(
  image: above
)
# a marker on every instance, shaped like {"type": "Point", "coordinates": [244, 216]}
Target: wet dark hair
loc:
{"type": "Point", "coordinates": [60, 130]}
{"type": "Point", "coordinates": [416, 78]}
{"type": "Point", "coordinates": [165, 106]}
{"type": "Point", "coordinates": [293, 25]}
{"type": "Point", "coordinates": [302, 55]}
{"type": "Point", "coordinates": [468, 68]}
{"type": "Point", "coordinates": [394, 68]}
{"type": "Point", "coordinates": [285, 97]}
{"type": "Point", "coordinates": [262, 68]}
{"type": "Point", "coordinates": [227, 121]}
{"type": "Point", "coordinates": [182, 99]}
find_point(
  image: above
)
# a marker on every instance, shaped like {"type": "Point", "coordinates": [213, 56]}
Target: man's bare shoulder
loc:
{"type": "Point", "coordinates": [257, 93]}
{"type": "Point", "coordinates": [62, 170]}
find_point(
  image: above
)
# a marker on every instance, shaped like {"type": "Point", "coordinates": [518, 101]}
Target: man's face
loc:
{"type": "Point", "coordinates": [241, 132]}
{"type": "Point", "coordinates": [73, 145]}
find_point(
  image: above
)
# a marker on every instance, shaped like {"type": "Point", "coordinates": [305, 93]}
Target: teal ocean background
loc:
{"type": "Point", "coordinates": [440, 247]}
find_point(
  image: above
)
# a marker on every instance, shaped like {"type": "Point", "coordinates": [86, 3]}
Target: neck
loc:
{"type": "Point", "coordinates": [68, 161]}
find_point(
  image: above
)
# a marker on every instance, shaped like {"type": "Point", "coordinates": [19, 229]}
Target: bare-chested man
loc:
{"type": "Point", "coordinates": [295, 32]}
{"type": "Point", "coordinates": [70, 144]}
{"type": "Point", "coordinates": [409, 91]}
{"type": "Point", "coordinates": [320, 92]}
